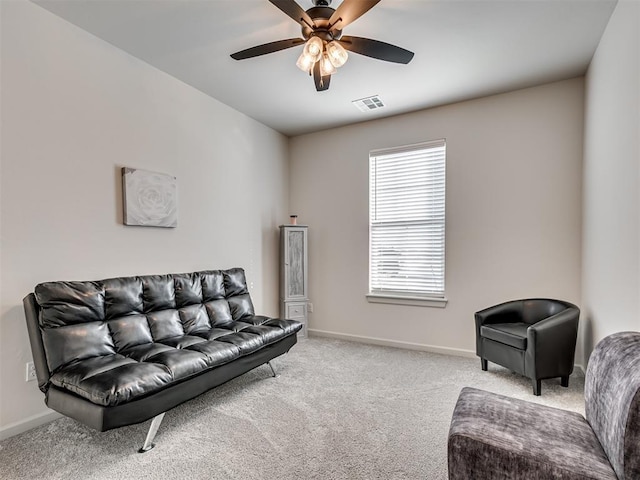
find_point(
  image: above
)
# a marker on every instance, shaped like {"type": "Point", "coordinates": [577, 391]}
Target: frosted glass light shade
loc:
{"type": "Point", "coordinates": [337, 54]}
{"type": "Point", "coordinates": [326, 67]}
{"type": "Point", "coordinates": [313, 48]}
{"type": "Point", "coordinates": [305, 62]}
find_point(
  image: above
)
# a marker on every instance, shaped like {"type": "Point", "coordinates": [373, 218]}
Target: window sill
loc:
{"type": "Point", "coordinates": [416, 301]}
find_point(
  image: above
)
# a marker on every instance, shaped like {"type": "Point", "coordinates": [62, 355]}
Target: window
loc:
{"type": "Point", "coordinates": [407, 224]}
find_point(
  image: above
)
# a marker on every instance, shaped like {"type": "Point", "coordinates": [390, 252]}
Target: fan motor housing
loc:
{"type": "Point", "coordinates": [320, 16]}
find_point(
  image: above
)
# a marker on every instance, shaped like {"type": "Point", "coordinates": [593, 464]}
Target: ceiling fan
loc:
{"type": "Point", "coordinates": [324, 46]}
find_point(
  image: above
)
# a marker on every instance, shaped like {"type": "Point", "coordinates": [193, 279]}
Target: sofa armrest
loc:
{"type": "Point", "coordinates": [37, 345]}
{"type": "Point", "coordinates": [551, 345]}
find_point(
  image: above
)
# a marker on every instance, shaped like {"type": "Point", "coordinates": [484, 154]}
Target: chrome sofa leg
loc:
{"type": "Point", "coordinates": [153, 429]}
{"type": "Point", "coordinates": [273, 370]}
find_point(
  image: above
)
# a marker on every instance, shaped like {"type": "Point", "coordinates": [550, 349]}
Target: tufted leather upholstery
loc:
{"type": "Point", "coordinates": [121, 340]}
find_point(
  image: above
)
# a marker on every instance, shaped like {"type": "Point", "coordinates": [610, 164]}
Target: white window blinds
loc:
{"type": "Point", "coordinates": [407, 220]}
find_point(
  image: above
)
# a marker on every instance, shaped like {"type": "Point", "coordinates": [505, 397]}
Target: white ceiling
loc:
{"type": "Point", "coordinates": [463, 49]}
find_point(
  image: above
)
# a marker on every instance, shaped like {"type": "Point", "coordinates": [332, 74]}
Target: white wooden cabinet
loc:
{"type": "Point", "coordinates": [293, 274]}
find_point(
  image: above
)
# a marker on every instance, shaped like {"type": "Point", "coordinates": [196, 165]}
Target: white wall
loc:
{"type": "Point", "coordinates": [74, 110]}
{"type": "Point", "coordinates": [611, 238]}
{"type": "Point", "coordinates": [513, 212]}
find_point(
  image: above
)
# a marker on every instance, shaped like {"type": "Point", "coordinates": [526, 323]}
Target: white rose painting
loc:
{"type": "Point", "coordinates": [150, 198]}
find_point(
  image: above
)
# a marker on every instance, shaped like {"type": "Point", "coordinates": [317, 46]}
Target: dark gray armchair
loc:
{"type": "Point", "coordinates": [533, 337]}
{"type": "Point", "coordinates": [493, 437]}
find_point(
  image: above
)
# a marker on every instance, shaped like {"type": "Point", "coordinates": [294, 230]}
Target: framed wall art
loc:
{"type": "Point", "coordinates": [150, 199]}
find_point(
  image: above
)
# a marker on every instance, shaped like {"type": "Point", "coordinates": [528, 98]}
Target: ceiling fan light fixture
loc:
{"type": "Point", "coordinates": [337, 54]}
{"type": "Point", "coordinates": [305, 63]}
{"type": "Point", "coordinates": [326, 67]}
{"type": "Point", "coordinates": [313, 48]}
{"type": "Point", "coordinates": [325, 48]}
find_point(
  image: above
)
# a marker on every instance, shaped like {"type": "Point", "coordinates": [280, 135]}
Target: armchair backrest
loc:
{"type": "Point", "coordinates": [612, 400]}
{"type": "Point", "coordinates": [536, 309]}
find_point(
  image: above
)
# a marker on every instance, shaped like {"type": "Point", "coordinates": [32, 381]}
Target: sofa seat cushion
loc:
{"type": "Point", "coordinates": [217, 353]}
{"type": "Point", "coordinates": [268, 334]}
{"type": "Point", "coordinates": [245, 341]}
{"type": "Point", "coordinates": [144, 352]}
{"type": "Point", "coordinates": [492, 436]}
{"type": "Point", "coordinates": [202, 353]}
{"type": "Point", "coordinates": [112, 379]}
{"type": "Point", "coordinates": [181, 363]}
{"type": "Point", "coordinates": [256, 332]}
{"type": "Point", "coordinates": [288, 327]}
{"type": "Point", "coordinates": [182, 341]}
{"type": "Point", "coordinates": [137, 370]}
{"type": "Point", "coordinates": [115, 379]}
{"type": "Point", "coordinates": [512, 334]}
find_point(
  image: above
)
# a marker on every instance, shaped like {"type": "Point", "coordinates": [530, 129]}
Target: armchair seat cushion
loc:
{"type": "Point", "coordinates": [512, 334]}
{"type": "Point", "coordinates": [497, 437]}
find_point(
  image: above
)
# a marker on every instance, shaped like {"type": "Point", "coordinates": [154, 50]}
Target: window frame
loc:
{"type": "Point", "coordinates": [402, 296]}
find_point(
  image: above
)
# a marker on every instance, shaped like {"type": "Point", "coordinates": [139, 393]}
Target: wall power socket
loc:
{"type": "Point", "coordinates": [31, 372]}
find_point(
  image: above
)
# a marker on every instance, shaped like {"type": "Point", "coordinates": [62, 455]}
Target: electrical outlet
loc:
{"type": "Point", "coordinates": [310, 307]}
{"type": "Point", "coordinates": [31, 372]}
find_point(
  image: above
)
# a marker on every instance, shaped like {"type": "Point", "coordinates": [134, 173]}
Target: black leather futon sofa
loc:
{"type": "Point", "coordinates": [120, 351]}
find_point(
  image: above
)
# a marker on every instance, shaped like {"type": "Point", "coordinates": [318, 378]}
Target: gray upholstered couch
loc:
{"type": "Point", "coordinates": [497, 437]}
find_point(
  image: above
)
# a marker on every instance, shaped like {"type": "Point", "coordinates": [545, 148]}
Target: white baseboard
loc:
{"type": "Point", "coordinates": [459, 352]}
{"type": "Point", "coordinates": [28, 423]}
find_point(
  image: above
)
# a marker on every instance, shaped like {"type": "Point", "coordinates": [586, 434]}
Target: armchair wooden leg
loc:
{"type": "Point", "coordinates": [483, 362]}
{"type": "Point", "coordinates": [564, 381]}
{"type": "Point", "coordinates": [537, 386]}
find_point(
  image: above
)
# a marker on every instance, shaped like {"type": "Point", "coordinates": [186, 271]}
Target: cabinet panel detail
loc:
{"type": "Point", "coordinates": [295, 263]}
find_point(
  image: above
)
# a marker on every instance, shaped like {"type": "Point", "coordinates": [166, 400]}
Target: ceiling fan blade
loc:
{"type": "Point", "coordinates": [322, 83]}
{"type": "Point", "coordinates": [291, 8]}
{"type": "Point", "coordinates": [267, 48]}
{"type": "Point", "coordinates": [349, 11]}
{"type": "Point", "coordinates": [376, 49]}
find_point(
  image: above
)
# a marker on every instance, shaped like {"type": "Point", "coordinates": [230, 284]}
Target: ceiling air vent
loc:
{"type": "Point", "coordinates": [369, 103]}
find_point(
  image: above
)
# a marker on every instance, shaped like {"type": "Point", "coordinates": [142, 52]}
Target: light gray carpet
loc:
{"type": "Point", "coordinates": [338, 410]}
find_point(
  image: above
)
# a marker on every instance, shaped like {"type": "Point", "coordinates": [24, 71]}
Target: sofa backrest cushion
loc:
{"type": "Point", "coordinates": [76, 342]}
{"type": "Point", "coordinates": [158, 292]}
{"type": "Point", "coordinates": [235, 282]}
{"type": "Point", "coordinates": [130, 331]}
{"type": "Point", "coordinates": [122, 296]}
{"type": "Point", "coordinates": [212, 285]}
{"type": "Point", "coordinates": [68, 303]}
{"type": "Point", "coordinates": [612, 400]}
{"type": "Point", "coordinates": [85, 319]}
